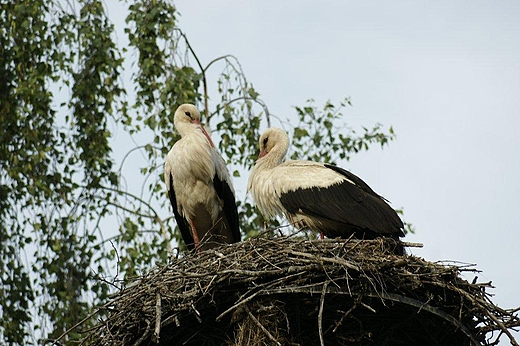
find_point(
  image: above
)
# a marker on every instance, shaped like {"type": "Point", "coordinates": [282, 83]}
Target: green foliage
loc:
{"type": "Point", "coordinates": [72, 224]}
{"type": "Point", "coordinates": [321, 135]}
{"type": "Point", "coordinates": [53, 160]}
{"type": "Point", "coordinates": [94, 91]}
{"type": "Point", "coordinates": [237, 122]}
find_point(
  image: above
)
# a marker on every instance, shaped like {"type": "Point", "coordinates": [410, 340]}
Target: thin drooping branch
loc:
{"type": "Point", "coordinates": [223, 57]}
{"type": "Point", "coordinates": [238, 71]}
{"type": "Point", "coordinates": [154, 216]}
{"type": "Point", "coordinates": [55, 342]}
{"type": "Point", "coordinates": [202, 71]}
{"type": "Point", "coordinates": [247, 98]}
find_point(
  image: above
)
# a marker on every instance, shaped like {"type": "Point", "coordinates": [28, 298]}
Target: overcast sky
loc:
{"type": "Point", "coordinates": [444, 74]}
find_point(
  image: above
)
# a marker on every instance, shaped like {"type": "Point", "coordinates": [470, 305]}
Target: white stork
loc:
{"type": "Point", "coordinates": [199, 185]}
{"type": "Point", "coordinates": [322, 197]}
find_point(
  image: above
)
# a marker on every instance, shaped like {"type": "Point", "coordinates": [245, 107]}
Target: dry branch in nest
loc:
{"type": "Point", "coordinates": [286, 291]}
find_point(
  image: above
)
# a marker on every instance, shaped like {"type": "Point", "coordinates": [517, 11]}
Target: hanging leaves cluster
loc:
{"type": "Point", "coordinates": [321, 134]}
{"type": "Point", "coordinates": [54, 160]}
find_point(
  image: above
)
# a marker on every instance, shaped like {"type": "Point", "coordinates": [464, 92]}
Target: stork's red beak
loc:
{"type": "Point", "coordinates": [262, 154]}
{"type": "Point", "coordinates": [197, 121]}
{"type": "Point", "coordinates": [207, 136]}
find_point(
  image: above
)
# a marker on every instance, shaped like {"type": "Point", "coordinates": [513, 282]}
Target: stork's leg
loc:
{"type": "Point", "coordinates": [195, 235]}
{"type": "Point", "coordinates": [322, 236]}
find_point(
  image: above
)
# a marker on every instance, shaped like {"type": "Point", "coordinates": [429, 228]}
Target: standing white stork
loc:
{"type": "Point", "coordinates": [199, 185]}
{"type": "Point", "coordinates": [322, 197]}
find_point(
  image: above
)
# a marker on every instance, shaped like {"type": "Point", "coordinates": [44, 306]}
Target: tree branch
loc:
{"type": "Point", "coordinates": [202, 70]}
{"type": "Point", "coordinates": [154, 217]}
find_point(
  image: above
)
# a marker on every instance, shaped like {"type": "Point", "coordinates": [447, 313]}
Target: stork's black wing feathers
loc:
{"type": "Point", "coordinates": [352, 177]}
{"type": "Point", "coordinates": [230, 208]}
{"type": "Point", "coordinates": [181, 221]}
{"type": "Point", "coordinates": [356, 206]}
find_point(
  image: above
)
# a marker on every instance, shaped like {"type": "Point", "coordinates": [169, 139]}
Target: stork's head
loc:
{"type": "Point", "coordinates": [186, 113]}
{"type": "Point", "coordinates": [187, 118]}
{"type": "Point", "coordinates": [275, 141]}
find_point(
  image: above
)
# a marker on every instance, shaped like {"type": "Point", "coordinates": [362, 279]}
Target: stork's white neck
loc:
{"type": "Point", "coordinates": [189, 128]}
{"type": "Point", "coordinates": [185, 127]}
{"type": "Point", "coordinates": [276, 155]}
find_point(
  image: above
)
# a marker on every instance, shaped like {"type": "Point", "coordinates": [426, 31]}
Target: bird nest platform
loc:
{"type": "Point", "coordinates": [289, 291]}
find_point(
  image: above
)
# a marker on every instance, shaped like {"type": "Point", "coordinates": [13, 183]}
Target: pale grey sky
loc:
{"type": "Point", "coordinates": [445, 74]}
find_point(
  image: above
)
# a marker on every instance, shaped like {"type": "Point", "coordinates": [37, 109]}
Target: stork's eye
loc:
{"type": "Point", "coordinates": [188, 114]}
{"type": "Point", "coordinates": [265, 141]}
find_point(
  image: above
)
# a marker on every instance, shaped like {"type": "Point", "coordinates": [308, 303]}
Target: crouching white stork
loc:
{"type": "Point", "coordinates": [322, 197]}
{"type": "Point", "coordinates": [199, 185]}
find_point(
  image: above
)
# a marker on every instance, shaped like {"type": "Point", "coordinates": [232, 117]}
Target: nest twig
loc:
{"type": "Point", "coordinates": [286, 291]}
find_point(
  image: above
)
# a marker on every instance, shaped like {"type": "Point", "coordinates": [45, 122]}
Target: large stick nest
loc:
{"type": "Point", "coordinates": [286, 291]}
